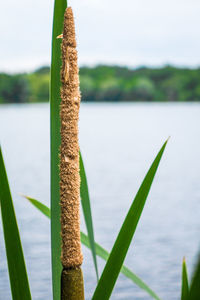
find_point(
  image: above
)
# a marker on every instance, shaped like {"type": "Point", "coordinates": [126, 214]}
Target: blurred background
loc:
{"type": "Point", "coordinates": [140, 83]}
{"type": "Point", "coordinates": [138, 51]}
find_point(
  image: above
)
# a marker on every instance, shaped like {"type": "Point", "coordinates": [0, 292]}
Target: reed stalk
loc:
{"type": "Point", "coordinates": [55, 84]}
{"type": "Point", "coordinates": [71, 256]}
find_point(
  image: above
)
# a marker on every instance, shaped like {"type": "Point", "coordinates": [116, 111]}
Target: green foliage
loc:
{"type": "Point", "coordinates": [15, 258]}
{"type": "Point", "coordinates": [194, 293]}
{"type": "Point", "coordinates": [185, 286]}
{"type": "Point", "coordinates": [108, 83]}
{"type": "Point", "coordinates": [39, 87]}
{"type": "Point", "coordinates": [59, 9]}
{"type": "Point", "coordinates": [114, 83]}
{"type": "Point", "coordinates": [140, 88]}
{"type": "Point", "coordinates": [43, 208]}
{"type": "Point", "coordinates": [85, 201]}
{"type": "Point", "coordinates": [100, 251]}
{"type": "Point", "coordinates": [14, 88]}
{"type": "Point", "coordinates": [122, 243]}
{"type": "Point", "coordinates": [42, 70]}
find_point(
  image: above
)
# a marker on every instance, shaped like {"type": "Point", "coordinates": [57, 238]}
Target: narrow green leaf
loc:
{"type": "Point", "coordinates": [122, 243]}
{"type": "Point", "coordinates": [104, 254]}
{"type": "Point", "coordinates": [101, 252]}
{"type": "Point", "coordinates": [15, 258]}
{"type": "Point", "coordinates": [43, 208]}
{"type": "Point", "coordinates": [59, 9]}
{"type": "Point", "coordinates": [85, 201]}
{"type": "Point", "coordinates": [185, 286]}
{"type": "Point", "coordinates": [194, 293]}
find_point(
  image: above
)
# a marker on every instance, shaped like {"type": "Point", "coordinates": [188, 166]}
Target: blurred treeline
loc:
{"type": "Point", "coordinates": [108, 83]}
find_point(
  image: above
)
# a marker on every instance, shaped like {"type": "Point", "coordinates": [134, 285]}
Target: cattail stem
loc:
{"type": "Point", "coordinates": [72, 284]}
{"type": "Point", "coordinates": [71, 258]}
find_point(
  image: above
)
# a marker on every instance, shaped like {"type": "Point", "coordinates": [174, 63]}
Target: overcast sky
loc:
{"type": "Point", "coordinates": [127, 32]}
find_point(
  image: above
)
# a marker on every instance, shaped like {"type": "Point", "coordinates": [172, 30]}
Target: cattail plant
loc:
{"type": "Point", "coordinates": [71, 257]}
{"type": "Point", "coordinates": [64, 137]}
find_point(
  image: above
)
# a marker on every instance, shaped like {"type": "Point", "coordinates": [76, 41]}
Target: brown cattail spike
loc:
{"type": "Point", "coordinates": [69, 150]}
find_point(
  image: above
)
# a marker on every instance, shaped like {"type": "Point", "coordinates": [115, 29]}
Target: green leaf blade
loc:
{"type": "Point", "coordinates": [194, 293]}
{"type": "Point", "coordinates": [59, 9]}
{"type": "Point", "coordinates": [15, 258]}
{"type": "Point", "coordinates": [104, 254]}
{"type": "Point", "coordinates": [40, 206]}
{"type": "Point", "coordinates": [122, 243]}
{"type": "Point", "coordinates": [185, 285]}
{"type": "Point", "coordinates": [85, 201]}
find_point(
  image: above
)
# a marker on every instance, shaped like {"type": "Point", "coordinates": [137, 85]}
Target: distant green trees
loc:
{"type": "Point", "coordinates": [39, 85]}
{"type": "Point", "coordinates": [22, 88]}
{"type": "Point", "coordinates": [13, 88]}
{"type": "Point", "coordinates": [108, 83]}
{"type": "Point", "coordinates": [114, 83]}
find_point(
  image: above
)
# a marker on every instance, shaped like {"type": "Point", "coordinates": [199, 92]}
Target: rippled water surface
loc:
{"type": "Point", "coordinates": [118, 142]}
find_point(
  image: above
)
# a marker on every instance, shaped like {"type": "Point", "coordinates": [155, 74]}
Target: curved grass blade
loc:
{"type": "Point", "coordinates": [15, 258]}
{"type": "Point", "coordinates": [59, 9]}
{"type": "Point", "coordinates": [101, 252]}
{"type": "Point", "coordinates": [122, 243]}
{"type": "Point", "coordinates": [194, 293]}
{"type": "Point", "coordinates": [104, 254]}
{"type": "Point", "coordinates": [85, 201]}
{"type": "Point", "coordinates": [185, 286]}
{"type": "Point", "coordinates": [43, 208]}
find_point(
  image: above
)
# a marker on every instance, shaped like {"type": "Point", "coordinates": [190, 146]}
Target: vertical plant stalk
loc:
{"type": "Point", "coordinates": [59, 10]}
{"type": "Point", "coordinates": [71, 256]}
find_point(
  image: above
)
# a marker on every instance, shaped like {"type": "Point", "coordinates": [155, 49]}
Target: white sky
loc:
{"type": "Point", "coordinates": [128, 32]}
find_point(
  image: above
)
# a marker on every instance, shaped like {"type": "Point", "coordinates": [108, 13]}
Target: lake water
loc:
{"type": "Point", "coordinates": [118, 142]}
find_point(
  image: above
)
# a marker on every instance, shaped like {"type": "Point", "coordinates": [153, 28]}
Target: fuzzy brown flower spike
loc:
{"type": "Point", "coordinates": [69, 151]}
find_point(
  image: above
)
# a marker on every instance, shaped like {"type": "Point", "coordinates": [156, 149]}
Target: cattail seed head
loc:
{"type": "Point", "coordinates": [69, 151]}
